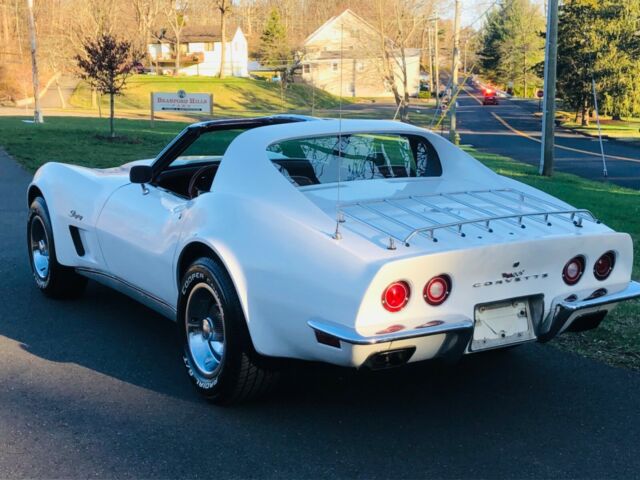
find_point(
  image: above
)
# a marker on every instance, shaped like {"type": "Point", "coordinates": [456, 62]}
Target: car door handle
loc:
{"type": "Point", "coordinates": [179, 209]}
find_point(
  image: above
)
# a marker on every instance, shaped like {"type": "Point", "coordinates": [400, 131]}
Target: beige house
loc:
{"type": "Point", "coordinates": [200, 53]}
{"type": "Point", "coordinates": [344, 57]}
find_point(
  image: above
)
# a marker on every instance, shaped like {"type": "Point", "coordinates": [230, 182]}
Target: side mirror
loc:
{"type": "Point", "coordinates": [140, 174]}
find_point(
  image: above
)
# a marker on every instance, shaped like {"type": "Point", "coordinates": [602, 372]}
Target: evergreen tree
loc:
{"type": "Point", "coordinates": [579, 41]}
{"type": "Point", "coordinates": [599, 40]}
{"type": "Point", "coordinates": [512, 44]}
{"type": "Point", "coordinates": [273, 42]}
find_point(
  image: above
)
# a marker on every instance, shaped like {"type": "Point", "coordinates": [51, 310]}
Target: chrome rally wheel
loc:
{"type": "Point", "coordinates": [205, 329]}
{"type": "Point", "coordinates": [39, 248]}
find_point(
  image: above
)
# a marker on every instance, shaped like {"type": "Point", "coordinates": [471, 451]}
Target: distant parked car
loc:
{"type": "Point", "coordinates": [139, 68]}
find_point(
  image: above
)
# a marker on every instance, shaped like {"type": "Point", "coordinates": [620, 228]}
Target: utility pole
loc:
{"type": "Point", "coordinates": [549, 107]}
{"type": "Point", "coordinates": [436, 62]}
{"type": "Point", "coordinates": [37, 113]}
{"type": "Point", "coordinates": [430, 48]}
{"type": "Point", "coordinates": [453, 134]}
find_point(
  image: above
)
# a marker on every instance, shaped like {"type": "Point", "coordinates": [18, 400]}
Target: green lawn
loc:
{"type": "Point", "coordinates": [230, 95]}
{"type": "Point", "coordinates": [628, 128]}
{"type": "Point", "coordinates": [82, 141]}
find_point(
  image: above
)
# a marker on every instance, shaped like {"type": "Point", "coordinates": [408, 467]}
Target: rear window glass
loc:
{"type": "Point", "coordinates": [329, 159]}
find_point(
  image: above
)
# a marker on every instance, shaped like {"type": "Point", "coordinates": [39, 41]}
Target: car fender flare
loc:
{"type": "Point", "coordinates": [196, 248]}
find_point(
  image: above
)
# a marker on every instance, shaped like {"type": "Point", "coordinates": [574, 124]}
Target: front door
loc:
{"type": "Point", "coordinates": [138, 234]}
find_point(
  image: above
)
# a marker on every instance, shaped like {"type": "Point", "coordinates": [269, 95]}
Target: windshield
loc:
{"type": "Point", "coordinates": [363, 156]}
{"type": "Point", "coordinates": [208, 147]}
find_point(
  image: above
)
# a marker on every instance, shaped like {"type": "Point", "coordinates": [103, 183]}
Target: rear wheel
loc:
{"type": "Point", "coordinates": [217, 350]}
{"type": "Point", "coordinates": [51, 278]}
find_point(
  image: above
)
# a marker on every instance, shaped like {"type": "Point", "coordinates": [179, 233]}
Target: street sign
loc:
{"type": "Point", "coordinates": [181, 101]}
{"type": "Point", "coordinates": [540, 93]}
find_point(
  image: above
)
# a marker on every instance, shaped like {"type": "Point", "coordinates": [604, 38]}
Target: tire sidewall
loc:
{"type": "Point", "coordinates": [206, 271]}
{"type": "Point", "coordinates": [39, 210]}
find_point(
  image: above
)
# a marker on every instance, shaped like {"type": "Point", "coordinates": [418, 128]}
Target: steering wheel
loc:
{"type": "Point", "coordinates": [200, 176]}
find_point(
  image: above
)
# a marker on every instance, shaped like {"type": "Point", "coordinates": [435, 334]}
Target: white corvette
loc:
{"type": "Point", "coordinates": [358, 243]}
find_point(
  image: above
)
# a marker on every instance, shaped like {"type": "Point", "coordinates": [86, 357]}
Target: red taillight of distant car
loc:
{"type": "Point", "coordinates": [437, 290]}
{"type": "Point", "coordinates": [573, 270]}
{"type": "Point", "coordinates": [604, 265]}
{"type": "Point", "coordinates": [396, 296]}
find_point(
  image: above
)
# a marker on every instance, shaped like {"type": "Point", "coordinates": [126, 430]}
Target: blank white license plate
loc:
{"type": "Point", "coordinates": [502, 323]}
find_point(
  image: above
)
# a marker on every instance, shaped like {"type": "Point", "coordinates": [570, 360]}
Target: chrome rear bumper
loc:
{"type": "Point", "coordinates": [566, 313]}
{"type": "Point", "coordinates": [459, 330]}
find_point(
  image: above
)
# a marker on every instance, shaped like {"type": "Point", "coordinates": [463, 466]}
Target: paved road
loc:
{"type": "Point", "coordinates": [504, 129]}
{"type": "Point", "coordinates": [94, 388]}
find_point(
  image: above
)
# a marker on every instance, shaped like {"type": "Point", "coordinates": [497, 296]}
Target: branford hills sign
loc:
{"type": "Point", "coordinates": [181, 101]}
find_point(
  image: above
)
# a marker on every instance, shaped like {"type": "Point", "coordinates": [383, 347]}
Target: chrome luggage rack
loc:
{"type": "Point", "coordinates": [508, 202]}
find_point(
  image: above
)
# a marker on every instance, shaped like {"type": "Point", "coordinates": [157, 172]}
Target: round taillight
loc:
{"type": "Point", "coordinates": [437, 290]}
{"type": "Point", "coordinates": [396, 296]}
{"type": "Point", "coordinates": [604, 265]}
{"type": "Point", "coordinates": [573, 270]}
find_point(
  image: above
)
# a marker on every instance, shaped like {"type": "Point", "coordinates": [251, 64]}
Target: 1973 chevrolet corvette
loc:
{"type": "Point", "coordinates": [360, 243]}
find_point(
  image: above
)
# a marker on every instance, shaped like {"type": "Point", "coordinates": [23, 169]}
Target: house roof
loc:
{"type": "Point", "coordinates": [347, 13]}
{"type": "Point", "coordinates": [195, 34]}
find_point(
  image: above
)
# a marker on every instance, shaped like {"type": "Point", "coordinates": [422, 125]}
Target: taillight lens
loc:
{"type": "Point", "coordinates": [573, 270]}
{"type": "Point", "coordinates": [604, 265]}
{"type": "Point", "coordinates": [396, 296]}
{"type": "Point", "coordinates": [437, 290]}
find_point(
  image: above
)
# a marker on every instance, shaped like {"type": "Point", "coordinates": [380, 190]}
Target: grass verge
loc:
{"type": "Point", "coordinates": [81, 141]}
{"type": "Point", "coordinates": [628, 129]}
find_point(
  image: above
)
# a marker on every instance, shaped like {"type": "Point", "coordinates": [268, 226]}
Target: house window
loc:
{"type": "Point", "coordinates": [334, 66]}
{"type": "Point", "coordinates": [306, 68]}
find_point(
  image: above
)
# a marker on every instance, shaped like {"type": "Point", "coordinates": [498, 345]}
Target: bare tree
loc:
{"type": "Point", "coordinates": [175, 12]}
{"type": "Point", "coordinates": [224, 7]}
{"type": "Point", "coordinates": [396, 29]}
{"type": "Point", "coordinates": [146, 14]}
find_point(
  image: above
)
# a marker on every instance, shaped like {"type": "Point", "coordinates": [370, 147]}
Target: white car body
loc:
{"type": "Point", "coordinates": [299, 282]}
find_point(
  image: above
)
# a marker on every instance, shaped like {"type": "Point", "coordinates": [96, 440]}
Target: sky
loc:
{"type": "Point", "coordinates": [473, 10]}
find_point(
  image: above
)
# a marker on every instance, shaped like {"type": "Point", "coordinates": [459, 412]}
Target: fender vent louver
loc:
{"type": "Point", "coordinates": [77, 241]}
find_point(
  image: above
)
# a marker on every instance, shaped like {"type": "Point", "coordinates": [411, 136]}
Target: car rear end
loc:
{"type": "Point", "coordinates": [464, 301]}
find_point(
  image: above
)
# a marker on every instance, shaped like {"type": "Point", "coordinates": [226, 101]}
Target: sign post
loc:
{"type": "Point", "coordinates": [180, 101]}
{"type": "Point", "coordinates": [151, 103]}
{"type": "Point", "coordinates": [540, 94]}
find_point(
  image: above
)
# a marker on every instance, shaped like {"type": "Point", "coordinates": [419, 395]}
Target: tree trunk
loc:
{"type": "Point", "coordinates": [63, 104]}
{"type": "Point", "coordinates": [177, 66]}
{"type": "Point", "coordinates": [111, 114]}
{"type": "Point", "coordinates": [585, 114]}
{"type": "Point", "coordinates": [223, 39]}
{"type": "Point", "coordinates": [430, 59]}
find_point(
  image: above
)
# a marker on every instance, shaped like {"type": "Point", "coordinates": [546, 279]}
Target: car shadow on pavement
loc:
{"type": "Point", "coordinates": [107, 332]}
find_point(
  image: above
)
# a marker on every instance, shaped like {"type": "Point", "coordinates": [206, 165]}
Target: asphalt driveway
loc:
{"type": "Point", "coordinates": [94, 388]}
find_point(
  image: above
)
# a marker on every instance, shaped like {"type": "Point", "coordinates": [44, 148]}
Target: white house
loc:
{"type": "Point", "coordinates": [343, 57]}
{"type": "Point", "coordinates": [200, 53]}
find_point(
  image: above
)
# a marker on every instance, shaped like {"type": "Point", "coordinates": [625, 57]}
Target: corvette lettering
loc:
{"type": "Point", "coordinates": [511, 278]}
